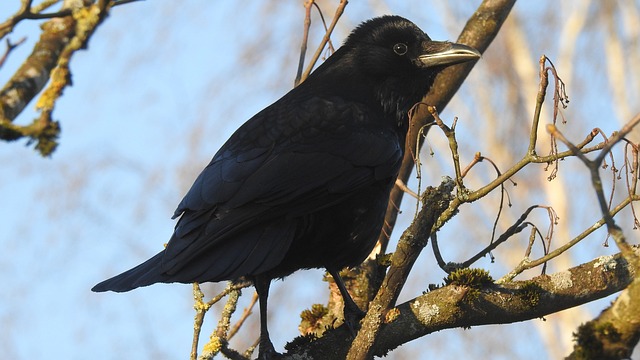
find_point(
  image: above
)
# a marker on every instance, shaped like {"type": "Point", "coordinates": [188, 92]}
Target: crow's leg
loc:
{"type": "Point", "coordinates": [266, 350]}
{"type": "Point", "coordinates": [352, 313]}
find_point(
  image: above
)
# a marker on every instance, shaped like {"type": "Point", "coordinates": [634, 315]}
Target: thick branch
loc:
{"type": "Point", "coordinates": [49, 62]}
{"type": "Point", "coordinates": [32, 76]}
{"type": "Point", "coordinates": [456, 306]}
{"type": "Point", "coordinates": [413, 240]}
{"type": "Point", "coordinates": [615, 332]}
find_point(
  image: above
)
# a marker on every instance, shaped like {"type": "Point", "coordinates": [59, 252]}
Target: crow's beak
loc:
{"type": "Point", "coordinates": [439, 53]}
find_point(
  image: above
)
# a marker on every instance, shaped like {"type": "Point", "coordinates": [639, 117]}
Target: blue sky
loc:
{"type": "Point", "coordinates": [159, 89]}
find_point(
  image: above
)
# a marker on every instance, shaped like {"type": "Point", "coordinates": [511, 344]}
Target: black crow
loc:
{"type": "Point", "coordinates": [305, 182]}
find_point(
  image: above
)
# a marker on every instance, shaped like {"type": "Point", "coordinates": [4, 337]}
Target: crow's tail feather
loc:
{"type": "Point", "coordinates": [147, 273]}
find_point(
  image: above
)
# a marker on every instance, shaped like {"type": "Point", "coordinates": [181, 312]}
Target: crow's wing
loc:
{"type": "Point", "coordinates": [245, 208]}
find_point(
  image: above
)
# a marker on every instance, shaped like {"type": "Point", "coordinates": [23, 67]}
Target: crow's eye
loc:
{"type": "Point", "coordinates": [400, 49]}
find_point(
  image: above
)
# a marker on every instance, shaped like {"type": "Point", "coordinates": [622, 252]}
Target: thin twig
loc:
{"type": "Point", "coordinates": [532, 239]}
{"type": "Point", "coordinates": [559, 98]}
{"type": "Point", "coordinates": [245, 314]}
{"type": "Point", "coordinates": [512, 230]}
{"type": "Point", "coordinates": [26, 12]}
{"type": "Point", "coordinates": [44, 5]}
{"type": "Point", "coordinates": [596, 181]}
{"type": "Point", "coordinates": [122, 2]}
{"type": "Point", "coordinates": [324, 25]}
{"type": "Point", "coordinates": [325, 39]}
{"type": "Point", "coordinates": [438, 255]}
{"type": "Point", "coordinates": [10, 47]}
{"type": "Point", "coordinates": [305, 40]}
{"type": "Point", "coordinates": [477, 158]}
{"type": "Point", "coordinates": [542, 93]}
{"type": "Point", "coordinates": [632, 168]}
{"type": "Point", "coordinates": [450, 133]}
{"type": "Point", "coordinates": [403, 186]}
{"type": "Point", "coordinates": [526, 263]}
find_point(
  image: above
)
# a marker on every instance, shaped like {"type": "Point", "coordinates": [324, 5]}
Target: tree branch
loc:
{"type": "Point", "coordinates": [455, 306]}
{"type": "Point", "coordinates": [48, 63]}
{"type": "Point", "coordinates": [615, 332]}
{"type": "Point", "coordinates": [411, 243]}
{"type": "Point", "coordinates": [323, 43]}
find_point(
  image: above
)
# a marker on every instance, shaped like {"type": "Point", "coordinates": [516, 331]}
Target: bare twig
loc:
{"type": "Point", "coordinates": [542, 93]}
{"type": "Point", "coordinates": [450, 133]}
{"type": "Point", "coordinates": [326, 28]}
{"type": "Point", "coordinates": [403, 186]}
{"type": "Point", "coordinates": [512, 230]}
{"type": "Point", "coordinates": [477, 158]}
{"type": "Point", "coordinates": [631, 176]}
{"type": "Point", "coordinates": [526, 263]}
{"type": "Point", "coordinates": [325, 39]}
{"type": "Point", "coordinates": [27, 12]}
{"type": "Point", "coordinates": [305, 40]}
{"type": "Point", "coordinates": [559, 98]}
{"type": "Point", "coordinates": [44, 5]}
{"type": "Point", "coordinates": [122, 2]}
{"type": "Point", "coordinates": [245, 314]}
{"type": "Point", "coordinates": [10, 47]}
{"type": "Point", "coordinates": [446, 267]}
{"type": "Point", "coordinates": [596, 181]}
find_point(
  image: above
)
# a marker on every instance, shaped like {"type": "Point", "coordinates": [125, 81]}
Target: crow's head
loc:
{"type": "Point", "coordinates": [393, 58]}
{"type": "Point", "coordinates": [393, 46]}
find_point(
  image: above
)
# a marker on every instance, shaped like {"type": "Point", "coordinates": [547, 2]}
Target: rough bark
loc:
{"type": "Point", "coordinates": [455, 306]}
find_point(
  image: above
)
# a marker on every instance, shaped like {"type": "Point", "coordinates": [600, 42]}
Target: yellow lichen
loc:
{"type": "Point", "coordinates": [391, 315]}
